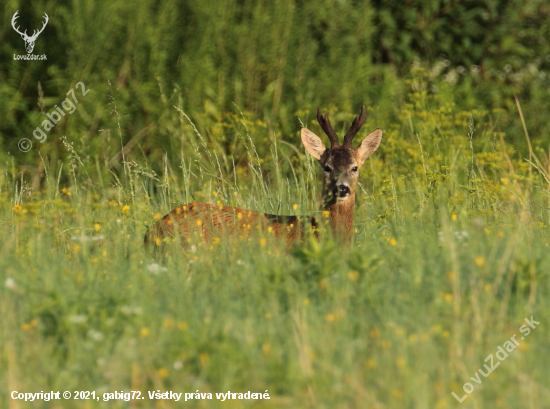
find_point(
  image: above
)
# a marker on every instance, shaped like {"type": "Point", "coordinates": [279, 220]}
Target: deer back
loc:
{"type": "Point", "coordinates": [204, 222]}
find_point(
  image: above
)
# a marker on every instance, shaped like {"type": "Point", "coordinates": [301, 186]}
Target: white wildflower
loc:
{"type": "Point", "coordinates": [10, 283]}
{"type": "Point", "coordinates": [84, 238]}
{"type": "Point", "coordinates": [130, 310]}
{"type": "Point", "coordinates": [156, 268]}
{"type": "Point", "coordinates": [78, 319]}
{"type": "Point", "coordinates": [95, 335]}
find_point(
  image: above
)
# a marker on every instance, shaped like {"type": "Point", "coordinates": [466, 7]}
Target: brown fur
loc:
{"type": "Point", "coordinates": [341, 216]}
{"type": "Point", "coordinates": [206, 222]}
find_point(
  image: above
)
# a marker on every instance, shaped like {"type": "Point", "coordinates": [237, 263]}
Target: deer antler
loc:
{"type": "Point", "coordinates": [355, 126]}
{"type": "Point", "coordinates": [35, 32]}
{"type": "Point", "coordinates": [15, 17]}
{"type": "Point", "coordinates": [325, 124]}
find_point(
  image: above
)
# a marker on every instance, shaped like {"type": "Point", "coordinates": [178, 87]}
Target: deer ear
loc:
{"type": "Point", "coordinates": [313, 144]}
{"type": "Point", "coordinates": [368, 146]}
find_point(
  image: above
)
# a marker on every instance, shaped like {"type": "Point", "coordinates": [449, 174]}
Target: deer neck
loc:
{"type": "Point", "coordinates": [341, 217]}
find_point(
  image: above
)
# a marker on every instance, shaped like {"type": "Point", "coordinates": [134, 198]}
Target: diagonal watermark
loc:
{"type": "Point", "coordinates": [53, 118]}
{"type": "Point", "coordinates": [501, 354]}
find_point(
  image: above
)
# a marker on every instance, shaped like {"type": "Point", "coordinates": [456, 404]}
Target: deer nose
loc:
{"type": "Point", "coordinates": [341, 191]}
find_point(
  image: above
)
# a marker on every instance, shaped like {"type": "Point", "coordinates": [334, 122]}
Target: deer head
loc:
{"type": "Point", "coordinates": [29, 41]}
{"type": "Point", "coordinates": [340, 164]}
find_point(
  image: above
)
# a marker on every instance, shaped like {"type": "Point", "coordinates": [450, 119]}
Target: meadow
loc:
{"type": "Point", "coordinates": [450, 254]}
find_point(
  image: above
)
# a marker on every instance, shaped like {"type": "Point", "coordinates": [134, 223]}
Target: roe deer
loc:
{"type": "Point", "coordinates": [341, 168]}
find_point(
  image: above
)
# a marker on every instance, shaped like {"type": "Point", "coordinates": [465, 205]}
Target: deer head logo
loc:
{"type": "Point", "coordinates": [29, 40]}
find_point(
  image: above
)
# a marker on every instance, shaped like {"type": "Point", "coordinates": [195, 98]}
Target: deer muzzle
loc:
{"type": "Point", "coordinates": [341, 192]}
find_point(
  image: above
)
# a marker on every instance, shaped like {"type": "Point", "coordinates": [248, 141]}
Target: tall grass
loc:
{"type": "Point", "coordinates": [271, 59]}
{"type": "Point", "coordinates": [449, 257]}
{"type": "Point", "coordinates": [202, 101]}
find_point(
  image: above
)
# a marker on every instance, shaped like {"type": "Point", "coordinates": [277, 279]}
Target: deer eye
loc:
{"type": "Point", "coordinates": [354, 169]}
{"type": "Point", "coordinates": [327, 169]}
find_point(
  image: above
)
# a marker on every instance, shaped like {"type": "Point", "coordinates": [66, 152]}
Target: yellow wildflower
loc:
{"type": "Point", "coordinates": [353, 275]}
